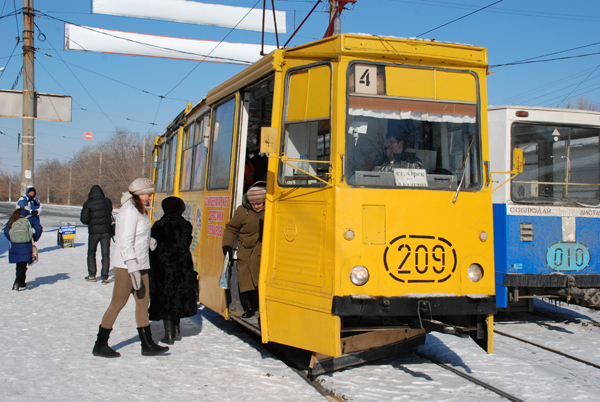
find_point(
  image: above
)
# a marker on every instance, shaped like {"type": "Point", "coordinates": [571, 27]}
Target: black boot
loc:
{"type": "Point", "coordinates": [176, 330]}
{"type": "Point", "coordinates": [149, 348]}
{"type": "Point", "coordinates": [101, 347]}
{"type": "Point", "coordinates": [246, 305]}
{"type": "Point", "coordinates": [169, 332]}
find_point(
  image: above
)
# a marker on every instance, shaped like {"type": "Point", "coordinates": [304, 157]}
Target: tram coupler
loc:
{"type": "Point", "coordinates": [438, 326]}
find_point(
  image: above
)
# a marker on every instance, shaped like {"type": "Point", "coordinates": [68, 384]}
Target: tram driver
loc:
{"type": "Point", "coordinates": [247, 225]}
{"type": "Point", "coordinates": [394, 155]}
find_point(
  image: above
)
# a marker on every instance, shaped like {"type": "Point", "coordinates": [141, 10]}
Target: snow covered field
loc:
{"type": "Point", "coordinates": [48, 331]}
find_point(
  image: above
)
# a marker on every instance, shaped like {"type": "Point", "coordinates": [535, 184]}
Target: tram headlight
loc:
{"type": "Point", "coordinates": [349, 234]}
{"type": "Point", "coordinates": [475, 272]}
{"type": "Point", "coordinates": [359, 275]}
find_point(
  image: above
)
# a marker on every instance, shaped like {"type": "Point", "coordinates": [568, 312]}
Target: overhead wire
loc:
{"type": "Point", "coordinates": [458, 19]}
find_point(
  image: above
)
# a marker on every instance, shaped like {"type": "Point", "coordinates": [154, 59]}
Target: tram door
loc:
{"type": "Point", "coordinates": [217, 205]}
{"type": "Point", "coordinates": [297, 242]}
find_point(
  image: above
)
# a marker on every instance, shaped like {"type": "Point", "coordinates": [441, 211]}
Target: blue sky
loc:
{"type": "Point", "coordinates": [117, 91]}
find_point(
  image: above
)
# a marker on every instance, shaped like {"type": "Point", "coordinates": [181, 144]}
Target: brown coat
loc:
{"type": "Point", "coordinates": [247, 226]}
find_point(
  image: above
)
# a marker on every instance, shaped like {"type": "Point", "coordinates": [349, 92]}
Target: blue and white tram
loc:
{"type": "Point", "coordinates": [547, 218]}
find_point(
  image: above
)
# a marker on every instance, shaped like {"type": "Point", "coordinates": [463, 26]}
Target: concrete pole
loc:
{"type": "Point", "coordinates": [144, 156]}
{"type": "Point", "coordinates": [48, 195]}
{"type": "Point", "coordinates": [27, 156]}
{"type": "Point", "coordinates": [100, 171]}
{"type": "Point", "coordinates": [10, 189]}
{"type": "Point", "coordinates": [70, 177]}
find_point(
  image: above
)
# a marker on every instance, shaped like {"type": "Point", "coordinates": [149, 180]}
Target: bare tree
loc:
{"type": "Point", "coordinates": [114, 164]}
{"type": "Point", "coordinates": [583, 103]}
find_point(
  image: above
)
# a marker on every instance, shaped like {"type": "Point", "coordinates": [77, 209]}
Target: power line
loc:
{"type": "Point", "coordinates": [516, 63]}
{"type": "Point", "coordinates": [464, 16]}
{"type": "Point", "coordinates": [578, 85]}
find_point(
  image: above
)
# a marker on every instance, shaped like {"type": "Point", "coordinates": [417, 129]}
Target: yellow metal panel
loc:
{"type": "Point", "coordinates": [299, 242]}
{"type": "Point", "coordinates": [319, 95]}
{"type": "Point", "coordinates": [459, 86]}
{"type": "Point", "coordinates": [297, 99]}
{"type": "Point", "coordinates": [409, 82]}
{"type": "Point", "coordinates": [309, 329]}
{"type": "Point", "coordinates": [309, 94]}
{"type": "Point", "coordinates": [373, 224]}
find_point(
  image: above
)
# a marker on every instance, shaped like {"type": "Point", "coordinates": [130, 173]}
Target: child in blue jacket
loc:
{"type": "Point", "coordinates": [20, 253]}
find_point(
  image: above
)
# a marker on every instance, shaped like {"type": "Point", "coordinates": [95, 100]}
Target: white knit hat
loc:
{"type": "Point", "coordinates": [141, 185]}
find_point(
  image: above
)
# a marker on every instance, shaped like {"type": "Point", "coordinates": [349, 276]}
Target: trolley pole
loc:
{"type": "Point", "coordinates": [27, 157]}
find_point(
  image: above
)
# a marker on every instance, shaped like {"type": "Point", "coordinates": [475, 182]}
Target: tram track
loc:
{"type": "Point", "coordinates": [468, 377]}
{"type": "Point", "coordinates": [568, 356]}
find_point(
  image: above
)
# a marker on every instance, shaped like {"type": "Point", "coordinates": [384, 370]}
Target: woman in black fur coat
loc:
{"type": "Point", "coordinates": [174, 281]}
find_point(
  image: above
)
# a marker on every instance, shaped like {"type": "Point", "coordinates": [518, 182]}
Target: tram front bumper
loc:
{"type": "Point", "coordinates": [409, 306]}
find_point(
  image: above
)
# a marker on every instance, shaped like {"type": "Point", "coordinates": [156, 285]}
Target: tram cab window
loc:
{"type": "Point", "coordinates": [412, 128]}
{"type": "Point", "coordinates": [307, 128]}
{"type": "Point", "coordinates": [562, 164]}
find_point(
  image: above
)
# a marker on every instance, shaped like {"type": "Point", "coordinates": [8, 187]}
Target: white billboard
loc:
{"type": "Point", "coordinates": [193, 12]}
{"type": "Point", "coordinates": [130, 43]}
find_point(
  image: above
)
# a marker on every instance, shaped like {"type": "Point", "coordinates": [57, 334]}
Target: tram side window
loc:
{"type": "Point", "coordinates": [562, 164]}
{"type": "Point", "coordinates": [199, 167]}
{"type": "Point", "coordinates": [186, 157]}
{"type": "Point", "coordinates": [159, 168]}
{"type": "Point", "coordinates": [170, 163]}
{"type": "Point", "coordinates": [219, 165]}
{"type": "Point", "coordinates": [307, 128]}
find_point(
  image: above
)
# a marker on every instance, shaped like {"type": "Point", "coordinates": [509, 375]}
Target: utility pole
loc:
{"type": "Point", "coordinates": [48, 195]}
{"type": "Point", "coordinates": [27, 157]}
{"type": "Point", "coordinates": [144, 156]}
{"type": "Point", "coordinates": [100, 171]}
{"type": "Point", "coordinates": [70, 176]}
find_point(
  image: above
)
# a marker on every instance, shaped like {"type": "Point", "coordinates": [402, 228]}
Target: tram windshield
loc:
{"type": "Point", "coordinates": [562, 164]}
{"type": "Point", "coordinates": [402, 141]}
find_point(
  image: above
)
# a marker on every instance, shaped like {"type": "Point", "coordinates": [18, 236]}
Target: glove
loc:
{"type": "Point", "coordinates": [34, 213]}
{"type": "Point", "coordinates": [136, 279]}
{"type": "Point", "coordinates": [134, 272]}
{"type": "Point", "coordinates": [228, 249]}
{"type": "Point", "coordinates": [153, 244]}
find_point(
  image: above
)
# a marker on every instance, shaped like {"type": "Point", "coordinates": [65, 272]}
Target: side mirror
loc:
{"type": "Point", "coordinates": [268, 140]}
{"type": "Point", "coordinates": [518, 160]}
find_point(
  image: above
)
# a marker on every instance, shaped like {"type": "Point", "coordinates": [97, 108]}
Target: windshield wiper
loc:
{"type": "Point", "coordinates": [461, 171]}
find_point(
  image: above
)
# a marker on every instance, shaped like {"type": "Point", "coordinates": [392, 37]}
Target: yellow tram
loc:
{"type": "Point", "coordinates": [378, 218]}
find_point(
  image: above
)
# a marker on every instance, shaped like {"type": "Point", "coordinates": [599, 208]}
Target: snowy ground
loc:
{"type": "Point", "coordinates": [48, 331]}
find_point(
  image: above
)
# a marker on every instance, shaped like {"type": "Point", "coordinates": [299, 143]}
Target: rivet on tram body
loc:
{"type": "Point", "coordinates": [349, 234]}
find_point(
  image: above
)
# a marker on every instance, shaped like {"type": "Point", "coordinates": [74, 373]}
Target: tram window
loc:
{"type": "Point", "coordinates": [403, 139]}
{"type": "Point", "coordinates": [199, 167]}
{"type": "Point", "coordinates": [307, 129]}
{"type": "Point", "coordinates": [562, 164]}
{"type": "Point", "coordinates": [170, 163]}
{"type": "Point", "coordinates": [307, 141]}
{"type": "Point", "coordinates": [186, 157]}
{"type": "Point", "coordinates": [219, 167]}
{"type": "Point", "coordinates": [159, 168]}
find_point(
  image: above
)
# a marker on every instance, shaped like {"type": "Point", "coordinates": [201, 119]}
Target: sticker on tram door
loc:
{"type": "Point", "coordinates": [420, 259]}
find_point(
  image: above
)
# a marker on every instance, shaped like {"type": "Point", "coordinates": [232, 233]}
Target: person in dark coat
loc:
{"type": "Point", "coordinates": [97, 214]}
{"type": "Point", "coordinates": [247, 225]}
{"type": "Point", "coordinates": [20, 253]}
{"type": "Point", "coordinates": [173, 281]}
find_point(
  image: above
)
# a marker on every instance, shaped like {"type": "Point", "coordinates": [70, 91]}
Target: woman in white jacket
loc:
{"type": "Point", "coordinates": [130, 262]}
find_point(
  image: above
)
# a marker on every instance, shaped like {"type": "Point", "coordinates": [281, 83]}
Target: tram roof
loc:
{"type": "Point", "coordinates": [412, 50]}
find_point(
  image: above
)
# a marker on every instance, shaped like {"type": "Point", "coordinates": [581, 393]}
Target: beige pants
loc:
{"type": "Point", "coordinates": [121, 291]}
